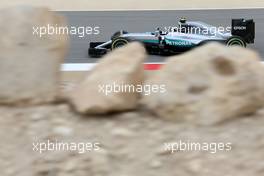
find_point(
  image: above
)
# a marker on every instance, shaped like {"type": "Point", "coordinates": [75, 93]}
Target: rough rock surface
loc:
{"type": "Point", "coordinates": [29, 64]}
{"type": "Point", "coordinates": [101, 91]}
{"type": "Point", "coordinates": [209, 85]}
{"type": "Point", "coordinates": [131, 144]}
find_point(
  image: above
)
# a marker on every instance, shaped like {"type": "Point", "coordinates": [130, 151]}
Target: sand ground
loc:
{"type": "Point", "coordinates": [131, 144]}
{"type": "Point", "coordinates": [133, 4]}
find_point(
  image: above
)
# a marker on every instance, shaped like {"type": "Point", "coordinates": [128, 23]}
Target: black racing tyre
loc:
{"type": "Point", "coordinates": [119, 42]}
{"type": "Point", "coordinates": [236, 41]}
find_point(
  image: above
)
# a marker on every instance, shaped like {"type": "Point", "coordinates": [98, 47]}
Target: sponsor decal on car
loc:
{"type": "Point", "coordinates": [151, 41]}
{"type": "Point", "coordinates": [178, 42]}
{"type": "Point", "coordinates": [240, 27]}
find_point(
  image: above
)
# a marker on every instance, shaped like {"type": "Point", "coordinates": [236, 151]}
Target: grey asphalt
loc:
{"type": "Point", "coordinates": [147, 21]}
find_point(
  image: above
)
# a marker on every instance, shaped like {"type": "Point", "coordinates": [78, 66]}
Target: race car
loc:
{"type": "Point", "coordinates": [188, 35]}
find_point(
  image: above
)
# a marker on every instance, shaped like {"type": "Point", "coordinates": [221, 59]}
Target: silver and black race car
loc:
{"type": "Point", "coordinates": [187, 35]}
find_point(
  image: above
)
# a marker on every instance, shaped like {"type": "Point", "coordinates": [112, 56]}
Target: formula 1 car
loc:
{"type": "Point", "coordinates": [187, 35]}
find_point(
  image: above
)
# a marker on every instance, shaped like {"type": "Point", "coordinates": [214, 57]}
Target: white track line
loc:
{"type": "Point", "coordinates": [77, 67]}
{"type": "Point", "coordinates": [89, 66]}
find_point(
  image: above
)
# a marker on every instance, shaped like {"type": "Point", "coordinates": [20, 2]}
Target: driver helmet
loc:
{"type": "Point", "coordinates": [182, 20]}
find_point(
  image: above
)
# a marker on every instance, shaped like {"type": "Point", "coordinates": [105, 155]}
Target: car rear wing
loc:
{"type": "Point", "coordinates": [244, 28]}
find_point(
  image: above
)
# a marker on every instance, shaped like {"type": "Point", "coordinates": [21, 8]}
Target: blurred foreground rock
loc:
{"type": "Point", "coordinates": [29, 64]}
{"type": "Point", "coordinates": [209, 85]}
{"type": "Point", "coordinates": [101, 92]}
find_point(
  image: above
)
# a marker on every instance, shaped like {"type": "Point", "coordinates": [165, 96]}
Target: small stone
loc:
{"type": "Point", "coordinates": [155, 164]}
{"type": "Point", "coordinates": [37, 116]}
{"type": "Point", "coordinates": [122, 132]}
{"type": "Point", "coordinates": [64, 131]}
{"type": "Point", "coordinates": [195, 165]}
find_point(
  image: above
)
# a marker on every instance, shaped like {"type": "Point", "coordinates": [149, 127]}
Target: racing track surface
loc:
{"type": "Point", "coordinates": [147, 21]}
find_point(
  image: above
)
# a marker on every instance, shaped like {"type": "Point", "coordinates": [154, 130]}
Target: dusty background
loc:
{"type": "Point", "coordinates": [130, 4]}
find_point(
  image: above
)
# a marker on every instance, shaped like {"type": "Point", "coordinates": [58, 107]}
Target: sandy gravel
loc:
{"type": "Point", "coordinates": [130, 144]}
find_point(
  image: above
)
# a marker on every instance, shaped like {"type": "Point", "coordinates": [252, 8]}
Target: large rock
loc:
{"type": "Point", "coordinates": [209, 85]}
{"type": "Point", "coordinates": [30, 64]}
{"type": "Point", "coordinates": [122, 67]}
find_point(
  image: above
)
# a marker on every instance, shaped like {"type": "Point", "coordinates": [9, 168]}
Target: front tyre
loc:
{"type": "Point", "coordinates": [118, 34]}
{"type": "Point", "coordinates": [236, 41]}
{"type": "Point", "coordinates": [119, 42]}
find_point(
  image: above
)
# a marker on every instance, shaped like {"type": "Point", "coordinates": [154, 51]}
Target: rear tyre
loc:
{"type": "Point", "coordinates": [236, 41]}
{"type": "Point", "coordinates": [119, 42]}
